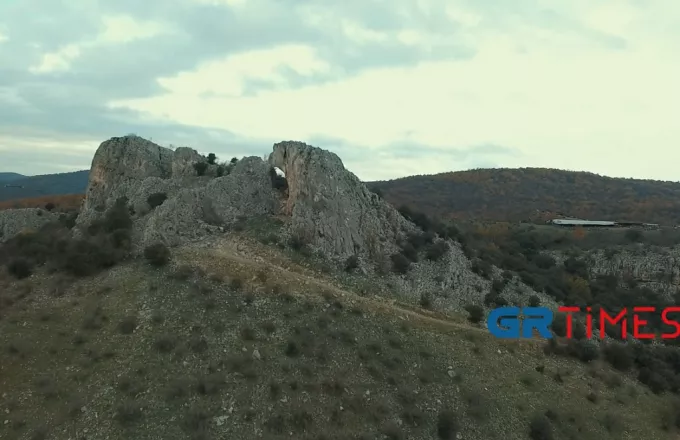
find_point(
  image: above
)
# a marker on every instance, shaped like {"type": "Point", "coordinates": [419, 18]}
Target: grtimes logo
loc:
{"type": "Point", "coordinates": [517, 322]}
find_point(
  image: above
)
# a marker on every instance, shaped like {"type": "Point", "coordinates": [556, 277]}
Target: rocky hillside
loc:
{"type": "Point", "coordinates": [527, 193]}
{"type": "Point", "coordinates": [280, 298]}
{"type": "Point", "coordinates": [327, 210]}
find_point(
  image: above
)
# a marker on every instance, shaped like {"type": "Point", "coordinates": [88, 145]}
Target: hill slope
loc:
{"type": "Point", "coordinates": [516, 194]}
{"type": "Point", "coordinates": [8, 177]}
{"type": "Point", "coordinates": [39, 186]}
{"type": "Point", "coordinates": [236, 341]}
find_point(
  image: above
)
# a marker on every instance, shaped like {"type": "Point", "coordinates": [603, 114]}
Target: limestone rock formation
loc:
{"type": "Point", "coordinates": [118, 166]}
{"type": "Point", "coordinates": [331, 207]}
{"type": "Point", "coordinates": [183, 160]}
{"type": "Point", "coordinates": [14, 221]}
{"type": "Point", "coordinates": [245, 192]}
{"type": "Point", "coordinates": [135, 168]}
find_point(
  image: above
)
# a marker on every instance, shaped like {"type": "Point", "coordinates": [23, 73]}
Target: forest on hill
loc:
{"type": "Point", "coordinates": [532, 193]}
{"type": "Point", "coordinates": [15, 186]}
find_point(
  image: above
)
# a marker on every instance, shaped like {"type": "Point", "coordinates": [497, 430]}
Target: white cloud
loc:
{"type": "Point", "coordinates": [580, 85]}
{"type": "Point", "coordinates": [562, 103]}
{"type": "Point", "coordinates": [118, 29]}
{"type": "Point", "coordinates": [59, 60]}
{"type": "Point", "coordinates": [124, 29]}
{"type": "Point", "coordinates": [227, 76]}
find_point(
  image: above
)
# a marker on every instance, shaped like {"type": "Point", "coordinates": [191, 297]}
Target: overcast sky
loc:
{"type": "Point", "coordinates": [393, 87]}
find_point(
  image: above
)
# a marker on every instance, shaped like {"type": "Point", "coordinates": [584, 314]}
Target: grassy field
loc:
{"type": "Point", "coordinates": [238, 342]}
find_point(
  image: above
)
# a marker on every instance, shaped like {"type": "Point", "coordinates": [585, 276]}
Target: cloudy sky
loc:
{"type": "Point", "coordinates": [393, 87]}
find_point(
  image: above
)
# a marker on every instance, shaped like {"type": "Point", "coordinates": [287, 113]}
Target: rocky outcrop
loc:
{"type": "Point", "coordinates": [14, 221]}
{"type": "Point", "coordinates": [245, 192]}
{"type": "Point", "coordinates": [135, 168]}
{"type": "Point", "coordinates": [655, 267]}
{"type": "Point", "coordinates": [330, 210]}
{"type": "Point", "coordinates": [331, 207]}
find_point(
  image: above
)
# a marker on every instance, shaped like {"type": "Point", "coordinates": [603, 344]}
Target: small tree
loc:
{"type": "Point", "coordinates": [50, 206]}
{"type": "Point", "coordinates": [400, 264]}
{"type": "Point", "coordinates": [200, 168]}
{"type": "Point", "coordinates": [476, 313]}
{"type": "Point", "coordinates": [534, 301]}
{"type": "Point", "coordinates": [233, 160]}
{"type": "Point", "coordinates": [157, 254]}
{"type": "Point", "coordinates": [351, 263]}
{"type": "Point", "coordinates": [212, 158]}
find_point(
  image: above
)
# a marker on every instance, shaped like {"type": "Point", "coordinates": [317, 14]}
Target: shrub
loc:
{"type": "Point", "coordinates": [534, 301]}
{"type": "Point", "coordinates": [410, 252]}
{"type": "Point", "coordinates": [127, 325]}
{"type": "Point", "coordinates": [351, 263]}
{"type": "Point", "coordinates": [540, 428]}
{"type": "Point", "coordinates": [584, 350]}
{"type": "Point", "coordinates": [619, 356]}
{"type": "Point", "coordinates": [157, 254]}
{"type": "Point", "coordinates": [20, 268]}
{"type": "Point", "coordinates": [200, 168]}
{"type": "Point", "coordinates": [156, 199]}
{"type": "Point", "coordinates": [437, 250]}
{"type": "Point", "coordinates": [212, 158]}
{"type": "Point", "coordinates": [50, 206]}
{"type": "Point", "coordinates": [447, 425]}
{"type": "Point", "coordinates": [425, 301]}
{"type": "Point", "coordinates": [476, 313]}
{"type": "Point", "coordinates": [400, 264]}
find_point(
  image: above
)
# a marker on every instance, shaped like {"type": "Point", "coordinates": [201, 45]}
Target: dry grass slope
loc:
{"type": "Point", "coordinates": [237, 341]}
{"type": "Point", "coordinates": [70, 202]}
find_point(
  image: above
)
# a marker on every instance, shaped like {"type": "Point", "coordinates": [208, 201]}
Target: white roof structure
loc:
{"type": "Point", "coordinates": [576, 222]}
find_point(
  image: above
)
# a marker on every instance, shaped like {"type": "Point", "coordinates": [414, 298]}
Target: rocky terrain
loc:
{"type": "Point", "coordinates": [14, 221]}
{"type": "Point", "coordinates": [190, 298]}
{"type": "Point", "coordinates": [326, 208]}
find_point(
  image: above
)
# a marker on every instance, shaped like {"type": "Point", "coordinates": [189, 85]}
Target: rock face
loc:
{"type": "Point", "coordinates": [331, 207]}
{"type": "Point", "coordinates": [14, 221]}
{"type": "Point", "coordinates": [245, 192]}
{"type": "Point", "coordinates": [654, 267]}
{"type": "Point", "coordinates": [118, 167]}
{"type": "Point", "coordinates": [135, 168]}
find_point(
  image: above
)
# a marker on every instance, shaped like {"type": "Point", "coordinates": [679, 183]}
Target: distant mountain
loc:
{"type": "Point", "coordinates": [526, 193]}
{"type": "Point", "coordinates": [22, 187]}
{"type": "Point", "coordinates": [7, 177]}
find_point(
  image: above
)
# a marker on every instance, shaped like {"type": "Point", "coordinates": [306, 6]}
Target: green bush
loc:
{"type": "Point", "coordinates": [351, 263]}
{"type": "Point", "coordinates": [20, 268]}
{"type": "Point", "coordinates": [475, 313]}
{"type": "Point", "coordinates": [157, 254]}
{"type": "Point", "coordinates": [619, 355]}
{"type": "Point", "coordinates": [437, 250]}
{"type": "Point", "coordinates": [156, 199]}
{"type": "Point", "coordinates": [540, 428]}
{"type": "Point", "coordinates": [200, 168]}
{"type": "Point", "coordinates": [400, 264]}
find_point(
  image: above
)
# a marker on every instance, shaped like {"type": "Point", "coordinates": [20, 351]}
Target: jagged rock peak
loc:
{"type": "Point", "coordinates": [331, 207]}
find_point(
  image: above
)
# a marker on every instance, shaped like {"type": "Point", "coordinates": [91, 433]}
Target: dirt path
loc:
{"type": "Point", "coordinates": [247, 260]}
